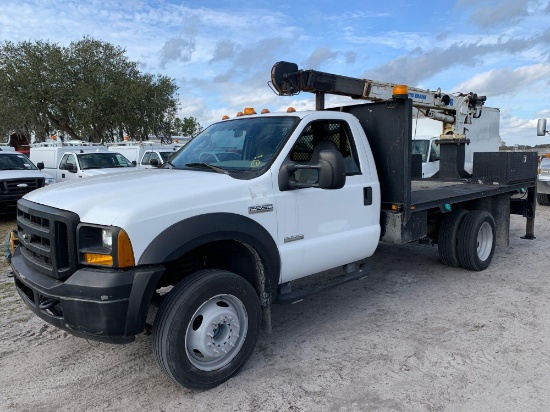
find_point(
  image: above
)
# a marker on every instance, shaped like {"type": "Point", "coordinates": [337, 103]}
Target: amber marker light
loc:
{"type": "Point", "coordinates": [290, 110]}
{"type": "Point", "coordinates": [249, 110]}
{"type": "Point", "coordinates": [400, 91]}
{"type": "Point", "coordinates": [125, 253]}
{"type": "Point", "coordinates": [98, 259]}
{"type": "Point", "coordinates": [264, 111]}
{"type": "Point", "coordinates": [225, 117]}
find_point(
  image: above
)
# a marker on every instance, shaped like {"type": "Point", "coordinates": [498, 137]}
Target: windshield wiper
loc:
{"type": "Point", "coordinates": [215, 168]}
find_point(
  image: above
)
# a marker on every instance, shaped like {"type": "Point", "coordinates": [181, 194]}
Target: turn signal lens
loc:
{"type": "Point", "coordinates": [125, 251]}
{"type": "Point", "coordinates": [98, 259]}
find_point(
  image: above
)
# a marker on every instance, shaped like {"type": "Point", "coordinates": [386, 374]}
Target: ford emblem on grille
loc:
{"type": "Point", "coordinates": [25, 236]}
{"type": "Point", "coordinates": [22, 185]}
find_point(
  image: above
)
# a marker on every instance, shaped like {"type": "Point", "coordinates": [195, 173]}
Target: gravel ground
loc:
{"type": "Point", "coordinates": [414, 335]}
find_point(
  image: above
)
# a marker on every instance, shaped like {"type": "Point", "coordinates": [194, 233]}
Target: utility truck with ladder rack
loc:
{"type": "Point", "coordinates": [251, 205]}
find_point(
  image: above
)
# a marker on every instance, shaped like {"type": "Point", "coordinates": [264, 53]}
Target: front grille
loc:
{"type": "Point", "coordinates": [47, 238]}
{"type": "Point", "coordinates": [20, 186]}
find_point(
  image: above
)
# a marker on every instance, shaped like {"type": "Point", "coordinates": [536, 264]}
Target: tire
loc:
{"type": "Point", "coordinates": [447, 242]}
{"type": "Point", "coordinates": [543, 199]}
{"type": "Point", "coordinates": [207, 328]}
{"type": "Point", "coordinates": [476, 240]}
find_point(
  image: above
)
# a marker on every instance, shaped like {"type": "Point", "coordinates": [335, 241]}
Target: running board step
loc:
{"type": "Point", "coordinates": [287, 295]}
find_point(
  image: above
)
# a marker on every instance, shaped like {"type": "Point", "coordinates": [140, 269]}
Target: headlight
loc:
{"type": "Point", "coordinates": [107, 238]}
{"type": "Point", "coordinates": [49, 181]}
{"type": "Point", "coordinates": [104, 246]}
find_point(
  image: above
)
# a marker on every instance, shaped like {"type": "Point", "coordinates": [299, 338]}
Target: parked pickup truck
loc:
{"type": "Point", "coordinates": [218, 235]}
{"type": "Point", "coordinates": [145, 155]}
{"type": "Point", "coordinates": [18, 176]}
{"type": "Point", "coordinates": [76, 162]}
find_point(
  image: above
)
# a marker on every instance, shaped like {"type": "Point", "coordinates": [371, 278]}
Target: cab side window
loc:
{"type": "Point", "coordinates": [146, 159]}
{"type": "Point", "coordinates": [68, 162]}
{"type": "Point", "coordinates": [334, 134]}
{"type": "Point", "coordinates": [434, 152]}
{"type": "Point", "coordinates": [155, 156]}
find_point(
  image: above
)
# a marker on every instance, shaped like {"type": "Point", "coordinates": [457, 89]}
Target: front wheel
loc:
{"type": "Point", "coordinates": [476, 240]}
{"type": "Point", "coordinates": [207, 328]}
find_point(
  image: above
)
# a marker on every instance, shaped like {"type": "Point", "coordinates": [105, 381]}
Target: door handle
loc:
{"type": "Point", "coordinates": [367, 196]}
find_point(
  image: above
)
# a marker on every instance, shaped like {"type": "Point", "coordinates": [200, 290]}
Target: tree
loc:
{"type": "Point", "coordinates": [88, 90]}
{"type": "Point", "coordinates": [189, 126]}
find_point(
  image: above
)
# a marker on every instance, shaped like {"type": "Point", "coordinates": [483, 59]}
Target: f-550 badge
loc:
{"type": "Point", "coordinates": [260, 208]}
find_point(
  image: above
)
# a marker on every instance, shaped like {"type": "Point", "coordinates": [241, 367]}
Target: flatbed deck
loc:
{"type": "Point", "coordinates": [429, 193]}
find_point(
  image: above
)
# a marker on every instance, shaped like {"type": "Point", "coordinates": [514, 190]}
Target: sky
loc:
{"type": "Point", "coordinates": [220, 53]}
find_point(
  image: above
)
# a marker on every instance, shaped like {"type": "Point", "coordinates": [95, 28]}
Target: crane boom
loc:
{"type": "Point", "coordinates": [453, 110]}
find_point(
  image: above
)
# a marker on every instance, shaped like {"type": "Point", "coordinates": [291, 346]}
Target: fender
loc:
{"type": "Point", "coordinates": [188, 234]}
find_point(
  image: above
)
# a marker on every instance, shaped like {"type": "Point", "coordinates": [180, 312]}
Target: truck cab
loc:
{"type": "Point", "coordinates": [76, 165]}
{"type": "Point", "coordinates": [145, 155]}
{"type": "Point", "coordinates": [428, 149]}
{"type": "Point", "coordinates": [67, 162]}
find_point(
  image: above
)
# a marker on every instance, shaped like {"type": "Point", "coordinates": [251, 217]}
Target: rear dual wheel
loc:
{"type": "Point", "coordinates": [543, 199]}
{"type": "Point", "coordinates": [467, 239]}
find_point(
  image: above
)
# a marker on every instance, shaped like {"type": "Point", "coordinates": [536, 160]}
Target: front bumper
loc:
{"type": "Point", "coordinates": [543, 186]}
{"type": "Point", "coordinates": [105, 305]}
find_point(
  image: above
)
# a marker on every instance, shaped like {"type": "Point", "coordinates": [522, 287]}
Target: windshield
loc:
{"type": "Point", "coordinates": [102, 160]}
{"type": "Point", "coordinates": [16, 161]}
{"type": "Point", "coordinates": [236, 146]}
{"type": "Point", "coordinates": [421, 147]}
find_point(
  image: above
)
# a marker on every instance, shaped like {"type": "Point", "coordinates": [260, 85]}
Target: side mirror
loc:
{"type": "Point", "coordinates": [71, 167]}
{"type": "Point", "coordinates": [40, 165]}
{"type": "Point", "coordinates": [541, 127]}
{"type": "Point", "coordinates": [134, 162]}
{"type": "Point", "coordinates": [331, 172]}
{"type": "Point", "coordinates": [154, 162]}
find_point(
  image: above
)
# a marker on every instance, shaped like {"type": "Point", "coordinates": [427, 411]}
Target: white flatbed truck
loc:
{"type": "Point", "coordinates": [282, 196]}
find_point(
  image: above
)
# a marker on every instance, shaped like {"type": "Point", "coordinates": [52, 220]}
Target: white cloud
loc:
{"type": "Point", "coordinates": [506, 81]}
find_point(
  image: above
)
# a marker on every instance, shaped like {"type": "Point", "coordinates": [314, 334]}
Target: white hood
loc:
{"type": "Point", "coordinates": [21, 174]}
{"type": "Point", "coordinates": [123, 199]}
{"type": "Point", "coordinates": [108, 170]}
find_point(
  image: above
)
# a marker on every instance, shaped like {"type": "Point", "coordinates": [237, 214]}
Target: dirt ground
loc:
{"type": "Point", "coordinates": [413, 336]}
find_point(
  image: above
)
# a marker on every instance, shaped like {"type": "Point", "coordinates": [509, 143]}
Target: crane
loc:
{"type": "Point", "coordinates": [454, 110]}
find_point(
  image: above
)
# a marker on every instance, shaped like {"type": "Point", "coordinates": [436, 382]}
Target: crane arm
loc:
{"type": "Point", "coordinates": [454, 110]}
